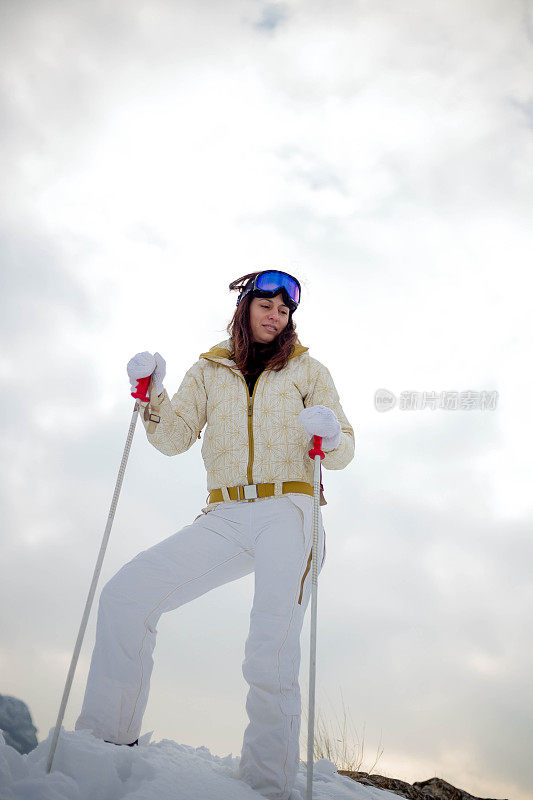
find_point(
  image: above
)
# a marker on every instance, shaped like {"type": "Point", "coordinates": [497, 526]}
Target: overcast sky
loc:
{"type": "Point", "coordinates": [383, 152]}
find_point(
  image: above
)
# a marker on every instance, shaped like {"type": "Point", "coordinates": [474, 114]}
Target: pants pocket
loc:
{"type": "Point", "coordinates": [290, 705]}
{"type": "Point", "coordinates": [302, 516]}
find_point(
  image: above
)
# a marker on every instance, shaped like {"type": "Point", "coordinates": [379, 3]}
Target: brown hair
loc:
{"type": "Point", "coordinates": [241, 333]}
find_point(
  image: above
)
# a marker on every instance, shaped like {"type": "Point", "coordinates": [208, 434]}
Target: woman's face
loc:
{"type": "Point", "coordinates": [268, 317]}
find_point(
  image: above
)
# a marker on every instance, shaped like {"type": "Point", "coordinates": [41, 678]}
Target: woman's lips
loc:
{"type": "Point", "coordinates": [270, 328]}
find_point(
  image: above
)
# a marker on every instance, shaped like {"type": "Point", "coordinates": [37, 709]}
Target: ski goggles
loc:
{"type": "Point", "coordinates": [272, 282]}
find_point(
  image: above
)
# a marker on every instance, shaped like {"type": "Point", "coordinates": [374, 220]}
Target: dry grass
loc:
{"type": "Point", "coordinates": [339, 741]}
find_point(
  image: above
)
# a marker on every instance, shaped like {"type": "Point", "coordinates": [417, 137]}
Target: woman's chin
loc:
{"type": "Point", "coordinates": [265, 338]}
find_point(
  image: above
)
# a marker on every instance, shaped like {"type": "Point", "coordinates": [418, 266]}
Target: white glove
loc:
{"type": "Point", "coordinates": [144, 364]}
{"type": "Point", "coordinates": [322, 421]}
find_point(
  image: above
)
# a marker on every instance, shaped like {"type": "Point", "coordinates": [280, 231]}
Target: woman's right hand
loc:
{"type": "Point", "coordinates": [144, 364]}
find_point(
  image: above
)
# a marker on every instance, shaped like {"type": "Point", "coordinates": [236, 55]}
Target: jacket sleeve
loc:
{"type": "Point", "coordinates": [172, 426]}
{"type": "Point", "coordinates": [322, 392]}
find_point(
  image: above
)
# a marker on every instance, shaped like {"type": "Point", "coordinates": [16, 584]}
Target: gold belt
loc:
{"type": "Point", "coordinates": [256, 490]}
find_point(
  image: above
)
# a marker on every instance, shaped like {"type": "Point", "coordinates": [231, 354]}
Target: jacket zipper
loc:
{"type": "Point", "coordinates": [251, 428]}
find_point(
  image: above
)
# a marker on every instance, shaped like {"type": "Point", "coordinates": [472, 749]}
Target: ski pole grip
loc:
{"type": "Point", "coordinates": [141, 390]}
{"type": "Point", "coordinates": [317, 448]}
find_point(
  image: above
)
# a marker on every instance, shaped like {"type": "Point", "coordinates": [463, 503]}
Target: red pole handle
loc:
{"type": "Point", "coordinates": [317, 445]}
{"type": "Point", "coordinates": [141, 390]}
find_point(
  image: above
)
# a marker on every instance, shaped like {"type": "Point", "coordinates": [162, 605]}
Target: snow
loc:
{"type": "Point", "coordinates": [86, 768]}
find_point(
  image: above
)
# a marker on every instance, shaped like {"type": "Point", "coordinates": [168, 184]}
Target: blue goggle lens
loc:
{"type": "Point", "coordinates": [274, 280]}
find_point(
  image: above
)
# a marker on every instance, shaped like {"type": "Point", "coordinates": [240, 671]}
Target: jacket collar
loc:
{"type": "Point", "coordinates": [221, 352]}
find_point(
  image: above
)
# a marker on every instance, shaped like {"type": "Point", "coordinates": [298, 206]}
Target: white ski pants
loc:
{"type": "Point", "coordinates": [272, 537]}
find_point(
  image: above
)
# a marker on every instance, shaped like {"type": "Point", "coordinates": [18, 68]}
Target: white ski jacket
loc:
{"type": "Point", "coordinates": [257, 439]}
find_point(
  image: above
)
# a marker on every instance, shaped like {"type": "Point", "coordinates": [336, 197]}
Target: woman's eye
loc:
{"type": "Point", "coordinates": [263, 305]}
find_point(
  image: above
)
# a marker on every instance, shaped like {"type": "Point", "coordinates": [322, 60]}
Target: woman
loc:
{"type": "Point", "coordinates": [262, 398]}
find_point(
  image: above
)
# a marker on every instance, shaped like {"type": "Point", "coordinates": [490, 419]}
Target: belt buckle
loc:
{"type": "Point", "coordinates": [250, 491]}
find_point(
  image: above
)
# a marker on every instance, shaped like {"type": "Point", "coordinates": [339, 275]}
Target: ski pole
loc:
{"type": "Point", "coordinates": [316, 454]}
{"type": "Point", "coordinates": [140, 393]}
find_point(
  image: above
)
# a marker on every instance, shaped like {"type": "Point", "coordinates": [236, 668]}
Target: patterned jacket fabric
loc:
{"type": "Point", "coordinates": [257, 439]}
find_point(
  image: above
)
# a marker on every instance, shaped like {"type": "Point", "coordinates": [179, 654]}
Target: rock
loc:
{"type": "Point", "coordinates": [434, 788]}
{"type": "Point", "coordinates": [16, 724]}
{"type": "Point", "coordinates": [391, 784]}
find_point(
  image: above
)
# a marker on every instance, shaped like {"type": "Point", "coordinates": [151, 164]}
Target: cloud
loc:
{"type": "Point", "coordinates": [154, 152]}
{"type": "Point", "coordinates": [272, 16]}
{"type": "Point", "coordinates": [38, 293]}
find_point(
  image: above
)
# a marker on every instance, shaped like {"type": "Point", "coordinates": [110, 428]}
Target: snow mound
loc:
{"type": "Point", "coordinates": [86, 768]}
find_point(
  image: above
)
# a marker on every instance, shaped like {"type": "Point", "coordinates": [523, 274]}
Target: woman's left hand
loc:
{"type": "Point", "coordinates": [322, 421]}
